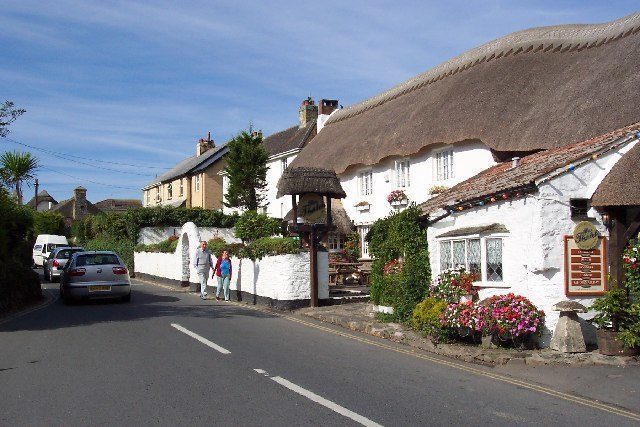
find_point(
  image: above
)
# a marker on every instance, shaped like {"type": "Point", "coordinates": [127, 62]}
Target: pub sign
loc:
{"type": "Point", "coordinates": [585, 261]}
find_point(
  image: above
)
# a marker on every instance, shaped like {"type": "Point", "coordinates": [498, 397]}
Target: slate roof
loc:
{"type": "Point", "coordinates": [620, 187]}
{"type": "Point", "coordinates": [65, 208]}
{"type": "Point", "coordinates": [190, 165]}
{"type": "Point", "coordinates": [43, 196]}
{"type": "Point", "coordinates": [503, 177]}
{"type": "Point", "coordinates": [118, 205]}
{"type": "Point", "coordinates": [290, 139]}
{"type": "Point", "coordinates": [530, 90]}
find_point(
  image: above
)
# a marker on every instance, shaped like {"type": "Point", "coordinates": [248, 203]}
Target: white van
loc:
{"type": "Point", "coordinates": [43, 246]}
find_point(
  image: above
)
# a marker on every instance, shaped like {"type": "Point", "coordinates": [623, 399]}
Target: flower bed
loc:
{"type": "Point", "coordinates": [512, 316]}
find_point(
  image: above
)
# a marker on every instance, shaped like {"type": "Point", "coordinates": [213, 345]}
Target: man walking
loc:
{"type": "Point", "coordinates": [202, 263]}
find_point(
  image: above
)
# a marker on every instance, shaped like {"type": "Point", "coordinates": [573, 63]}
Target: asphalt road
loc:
{"type": "Point", "coordinates": [169, 358]}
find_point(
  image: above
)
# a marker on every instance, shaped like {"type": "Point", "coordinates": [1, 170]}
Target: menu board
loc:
{"type": "Point", "coordinates": [585, 269]}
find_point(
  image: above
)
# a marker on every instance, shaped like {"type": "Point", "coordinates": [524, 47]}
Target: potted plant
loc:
{"type": "Point", "coordinates": [618, 322]}
{"type": "Point", "coordinates": [437, 189]}
{"type": "Point", "coordinates": [512, 320]}
{"type": "Point", "coordinates": [397, 198]}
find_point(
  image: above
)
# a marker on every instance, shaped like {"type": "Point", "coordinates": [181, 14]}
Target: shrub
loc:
{"type": "Point", "coordinates": [269, 246]}
{"type": "Point", "coordinates": [399, 237]}
{"type": "Point", "coordinates": [166, 246]}
{"type": "Point", "coordinates": [426, 317]}
{"type": "Point", "coordinates": [465, 315]}
{"type": "Point", "coordinates": [352, 247]}
{"type": "Point", "coordinates": [514, 315]}
{"type": "Point", "coordinates": [253, 226]}
{"type": "Point", "coordinates": [124, 248]}
{"type": "Point", "coordinates": [452, 284]}
{"type": "Point", "coordinates": [48, 223]}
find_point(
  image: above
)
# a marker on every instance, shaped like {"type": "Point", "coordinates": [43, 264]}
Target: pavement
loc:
{"type": "Point", "coordinates": [169, 358]}
{"type": "Point", "coordinates": [360, 317]}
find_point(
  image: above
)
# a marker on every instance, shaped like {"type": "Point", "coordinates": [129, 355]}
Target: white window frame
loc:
{"type": "Point", "coordinates": [335, 241]}
{"type": "Point", "coordinates": [483, 257]}
{"type": "Point", "coordinates": [169, 191]}
{"type": "Point", "coordinates": [158, 199]}
{"type": "Point", "coordinates": [443, 165]}
{"type": "Point", "coordinates": [181, 187]}
{"type": "Point", "coordinates": [284, 162]}
{"type": "Point", "coordinates": [402, 173]}
{"type": "Point", "coordinates": [365, 182]}
{"type": "Point", "coordinates": [198, 183]}
{"type": "Point", "coordinates": [364, 245]}
{"type": "Point", "coordinates": [148, 197]}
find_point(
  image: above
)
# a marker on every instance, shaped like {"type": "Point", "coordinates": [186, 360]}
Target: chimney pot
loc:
{"type": "Point", "coordinates": [515, 162]}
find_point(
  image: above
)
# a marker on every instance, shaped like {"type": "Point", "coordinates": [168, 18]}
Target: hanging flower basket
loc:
{"type": "Point", "coordinates": [398, 198]}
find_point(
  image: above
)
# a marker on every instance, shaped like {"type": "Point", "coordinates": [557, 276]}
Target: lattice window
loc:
{"type": "Point", "coordinates": [494, 260]}
{"type": "Point", "coordinates": [445, 256]}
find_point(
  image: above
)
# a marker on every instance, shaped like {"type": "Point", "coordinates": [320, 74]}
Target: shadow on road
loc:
{"type": "Point", "coordinates": [144, 305]}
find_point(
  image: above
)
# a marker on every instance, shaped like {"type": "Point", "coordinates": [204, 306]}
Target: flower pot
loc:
{"type": "Point", "coordinates": [608, 344]}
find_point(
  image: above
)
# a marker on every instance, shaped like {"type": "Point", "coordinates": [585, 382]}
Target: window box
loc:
{"type": "Point", "coordinates": [363, 206]}
{"type": "Point", "coordinates": [399, 203]}
{"type": "Point", "coordinates": [398, 198]}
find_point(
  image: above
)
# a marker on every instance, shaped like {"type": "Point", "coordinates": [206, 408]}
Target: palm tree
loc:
{"type": "Point", "coordinates": [15, 168]}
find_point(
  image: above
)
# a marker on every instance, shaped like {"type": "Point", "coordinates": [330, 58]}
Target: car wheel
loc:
{"type": "Point", "coordinates": [126, 298]}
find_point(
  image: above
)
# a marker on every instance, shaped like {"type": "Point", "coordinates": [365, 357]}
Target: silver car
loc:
{"type": "Point", "coordinates": [95, 275]}
{"type": "Point", "coordinates": [58, 258]}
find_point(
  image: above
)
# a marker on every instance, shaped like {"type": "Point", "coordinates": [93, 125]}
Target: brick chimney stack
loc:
{"type": "Point", "coordinates": [308, 111]}
{"type": "Point", "coordinates": [79, 203]}
{"type": "Point", "coordinates": [327, 106]}
{"type": "Point", "coordinates": [204, 144]}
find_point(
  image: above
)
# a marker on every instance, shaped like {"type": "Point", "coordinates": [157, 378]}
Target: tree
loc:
{"type": "Point", "coordinates": [247, 171]}
{"type": "Point", "coordinates": [8, 115]}
{"type": "Point", "coordinates": [15, 168]}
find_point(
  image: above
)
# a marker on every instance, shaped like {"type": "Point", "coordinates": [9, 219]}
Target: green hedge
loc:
{"type": "Point", "coordinates": [266, 246]}
{"type": "Point", "coordinates": [19, 284]}
{"type": "Point", "coordinates": [252, 226]}
{"type": "Point", "coordinates": [399, 237]}
{"type": "Point", "coordinates": [49, 223]}
{"type": "Point", "coordinates": [166, 246]}
{"type": "Point", "coordinates": [124, 248]}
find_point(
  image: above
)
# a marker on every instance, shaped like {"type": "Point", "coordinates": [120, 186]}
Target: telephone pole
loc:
{"type": "Point", "coordinates": [36, 198]}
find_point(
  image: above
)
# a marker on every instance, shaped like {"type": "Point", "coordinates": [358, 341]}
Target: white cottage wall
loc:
{"type": "Point", "coordinates": [277, 207]}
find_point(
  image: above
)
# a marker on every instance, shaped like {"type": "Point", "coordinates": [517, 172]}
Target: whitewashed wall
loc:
{"type": "Point", "coordinates": [149, 235]}
{"type": "Point", "coordinates": [277, 207]}
{"type": "Point", "coordinates": [282, 277]}
{"type": "Point", "coordinates": [533, 249]}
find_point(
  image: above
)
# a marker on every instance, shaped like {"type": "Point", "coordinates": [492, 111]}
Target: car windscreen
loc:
{"type": "Point", "coordinates": [52, 246]}
{"type": "Point", "coordinates": [66, 253]}
{"type": "Point", "coordinates": [97, 259]}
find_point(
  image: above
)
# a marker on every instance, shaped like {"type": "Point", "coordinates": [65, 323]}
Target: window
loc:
{"type": "Point", "coordinates": [365, 183]}
{"type": "Point", "coordinates": [181, 187]}
{"type": "Point", "coordinates": [198, 182]}
{"type": "Point", "coordinates": [283, 164]}
{"type": "Point", "coordinates": [158, 194]}
{"type": "Point", "coordinates": [364, 245]}
{"type": "Point", "coordinates": [444, 165]}
{"type": "Point", "coordinates": [169, 191]}
{"type": "Point", "coordinates": [402, 173]}
{"type": "Point", "coordinates": [148, 196]}
{"type": "Point", "coordinates": [335, 241]}
{"type": "Point", "coordinates": [480, 256]}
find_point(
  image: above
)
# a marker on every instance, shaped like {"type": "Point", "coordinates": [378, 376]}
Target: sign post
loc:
{"type": "Point", "coordinates": [585, 261]}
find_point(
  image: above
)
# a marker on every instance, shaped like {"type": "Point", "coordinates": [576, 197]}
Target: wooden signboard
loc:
{"type": "Point", "coordinates": [585, 269]}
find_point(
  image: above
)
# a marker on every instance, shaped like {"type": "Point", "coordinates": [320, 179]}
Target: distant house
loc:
{"type": "Point", "coordinates": [77, 207]}
{"type": "Point", "coordinates": [532, 90]}
{"type": "Point", "coordinates": [45, 201]}
{"type": "Point", "coordinates": [118, 205]}
{"type": "Point", "coordinates": [194, 182]}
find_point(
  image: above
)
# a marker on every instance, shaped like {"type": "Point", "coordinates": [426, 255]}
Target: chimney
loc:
{"type": "Point", "coordinates": [327, 106]}
{"type": "Point", "coordinates": [204, 144]}
{"type": "Point", "coordinates": [79, 203]}
{"type": "Point", "coordinates": [515, 162]}
{"type": "Point", "coordinates": [308, 111]}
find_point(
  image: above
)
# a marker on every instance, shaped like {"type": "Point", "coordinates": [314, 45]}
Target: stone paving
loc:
{"type": "Point", "coordinates": [360, 317]}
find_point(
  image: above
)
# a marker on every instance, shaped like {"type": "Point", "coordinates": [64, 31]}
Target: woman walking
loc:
{"type": "Point", "coordinates": [223, 272]}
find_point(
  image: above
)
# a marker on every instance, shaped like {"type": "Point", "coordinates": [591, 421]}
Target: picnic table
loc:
{"type": "Point", "coordinates": [346, 273]}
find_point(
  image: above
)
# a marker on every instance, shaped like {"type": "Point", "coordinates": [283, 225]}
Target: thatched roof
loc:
{"type": "Point", "coordinates": [530, 90]}
{"type": "Point", "coordinates": [340, 217]}
{"type": "Point", "coordinates": [310, 180]}
{"type": "Point", "coordinates": [118, 205]}
{"type": "Point", "coordinates": [43, 196]}
{"type": "Point", "coordinates": [620, 186]}
{"type": "Point", "coordinates": [504, 178]}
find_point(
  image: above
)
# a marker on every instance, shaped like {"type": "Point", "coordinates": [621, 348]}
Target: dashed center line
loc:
{"type": "Point", "coordinates": [321, 400]}
{"type": "Point", "coordinates": [201, 339]}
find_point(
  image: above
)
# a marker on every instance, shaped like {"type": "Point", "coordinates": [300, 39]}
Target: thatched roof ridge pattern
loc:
{"type": "Point", "coordinates": [561, 38]}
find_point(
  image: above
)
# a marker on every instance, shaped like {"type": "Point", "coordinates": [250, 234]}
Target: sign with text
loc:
{"type": "Point", "coordinates": [312, 208]}
{"type": "Point", "coordinates": [585, 270]}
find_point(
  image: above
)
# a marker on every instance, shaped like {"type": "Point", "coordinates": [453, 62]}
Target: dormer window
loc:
{"type": "Point", "coordinates": [443, 165]}
{"type": "Point", "coordinates": [401, 173]}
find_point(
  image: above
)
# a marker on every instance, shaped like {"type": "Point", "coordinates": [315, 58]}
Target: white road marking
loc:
{"type": "Point", "coordinates": [324, 402]}
{"type": "Point", "coordinates": [261, 371]}
{"type": "Point", "coordinates": [201, 339]}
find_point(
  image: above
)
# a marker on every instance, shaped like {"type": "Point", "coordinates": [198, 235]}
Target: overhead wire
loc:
{"type": "Point", "coordinates": [88, 180]}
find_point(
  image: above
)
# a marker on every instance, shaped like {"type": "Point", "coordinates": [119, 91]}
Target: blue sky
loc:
{"type": "Point", "coordinates": [138, 83]}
